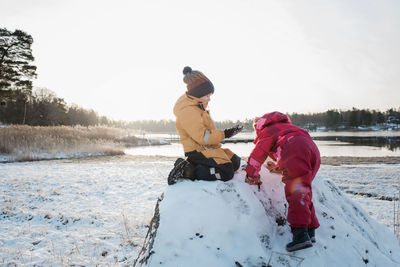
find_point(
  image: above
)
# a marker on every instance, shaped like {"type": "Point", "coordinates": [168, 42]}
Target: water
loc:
{"type": "Point", "coordinates": [330, 144]}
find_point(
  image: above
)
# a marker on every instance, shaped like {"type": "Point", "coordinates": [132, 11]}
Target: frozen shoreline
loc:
{"type": "Point", "coordinates": [327, 160]}
{"type": "Point", "coordinates": [359, 160]}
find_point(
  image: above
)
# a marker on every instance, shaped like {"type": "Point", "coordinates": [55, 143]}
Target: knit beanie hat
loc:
{"type": "Point", "coordinates": [198, 85]}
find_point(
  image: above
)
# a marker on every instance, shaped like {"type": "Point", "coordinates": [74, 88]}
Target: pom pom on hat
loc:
{"type": "Point", "coordinates": [198, 85]}
{"type": "Point", "coordinates": [186, 70]}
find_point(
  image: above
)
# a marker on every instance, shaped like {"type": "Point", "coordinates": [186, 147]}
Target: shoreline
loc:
{"type": "Point", "coordinates": [343, 160]}
{"type": "Point", "coordinates": [335, 160]}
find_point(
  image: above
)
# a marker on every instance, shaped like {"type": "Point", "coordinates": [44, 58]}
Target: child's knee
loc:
{"type": "Point", "coordinates": [227, 176]}
{"type": "Point", "coordinates": [235, 162]}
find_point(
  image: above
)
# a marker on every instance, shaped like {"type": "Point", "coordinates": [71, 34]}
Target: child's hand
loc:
{"type": "Point", "coordinates": [229, 132]}
{"type": "Point", "coordinates": [244, 166]}
{"type": "Point", "coordinates": [273, 167]}
{"type": "Point", "coordinates": [253, 181]}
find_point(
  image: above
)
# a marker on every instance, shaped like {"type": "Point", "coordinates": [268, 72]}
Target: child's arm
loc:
{"type": "Point", "coordinates": [192, 122]}
{"type": "Point", "coordinates": [258, 156]}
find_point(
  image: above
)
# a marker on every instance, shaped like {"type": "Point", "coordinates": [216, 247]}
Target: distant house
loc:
{"type": "Point", "coordinates": [393, 119]}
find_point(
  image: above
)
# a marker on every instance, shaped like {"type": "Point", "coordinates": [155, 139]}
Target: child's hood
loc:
{"type": "Point", "coordinates": [271, 118]}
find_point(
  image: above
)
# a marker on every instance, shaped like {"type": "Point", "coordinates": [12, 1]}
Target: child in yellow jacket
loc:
{"type": "Point", "coordinates": [201, 140]}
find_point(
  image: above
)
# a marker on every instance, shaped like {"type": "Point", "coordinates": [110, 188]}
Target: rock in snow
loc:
{"type": "Point", "coordinates": [233, 224]}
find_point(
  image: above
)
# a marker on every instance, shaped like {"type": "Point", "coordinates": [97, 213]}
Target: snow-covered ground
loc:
{"type": "Point", "coordinates": [368, 185]}
{"type": "Point", "coordinates": [77, 211]}
{"type": "Point", "coordinates": [96, 211]}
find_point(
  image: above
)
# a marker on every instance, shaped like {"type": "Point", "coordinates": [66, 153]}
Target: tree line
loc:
{"type": "Point", "coordinates": [347, 119]}
{"type": "Point", "coordinates": [20, 104]}
{"type": "Point", "coordinates": [331, 120]}
{"type": "Point", "coordinates": [42, 107]}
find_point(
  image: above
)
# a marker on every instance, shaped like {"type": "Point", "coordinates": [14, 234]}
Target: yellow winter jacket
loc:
{"type": "Point", "coordinates": [197, 130]}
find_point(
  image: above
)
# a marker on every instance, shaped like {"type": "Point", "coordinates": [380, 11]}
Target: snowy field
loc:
{"type": "Point", "coordinates": [96, 211]}
{"type": "Point", "coordinates": [368, 185]}
{"type": "Point", "coordinates": [86, 212]}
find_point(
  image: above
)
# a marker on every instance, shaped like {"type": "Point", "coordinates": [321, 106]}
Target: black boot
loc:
{"type": "Point", "coordinates": [182, 170]}
{"type": "Point", "coordinates": [173, 173]}
{"type": "Point", "coordinates": [301, 240]}
{"type": "Point", "coordinates": [311, 234]}
{"type": "Point", "coordinates": [178, 160]}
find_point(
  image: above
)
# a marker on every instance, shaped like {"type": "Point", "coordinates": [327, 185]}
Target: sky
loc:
{"type": "Point", "coordinates": [124, 59]}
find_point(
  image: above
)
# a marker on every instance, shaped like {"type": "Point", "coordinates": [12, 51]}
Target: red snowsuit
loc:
{"type": "Point", "coordinates": [297, 157]}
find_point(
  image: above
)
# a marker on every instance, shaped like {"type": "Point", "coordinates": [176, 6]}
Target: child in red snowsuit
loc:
{"type": "Point", "coordinates": [297, 158]}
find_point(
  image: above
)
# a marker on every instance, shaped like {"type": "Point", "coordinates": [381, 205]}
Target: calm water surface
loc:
{"type": "Point", "coordinates": [351, 144]}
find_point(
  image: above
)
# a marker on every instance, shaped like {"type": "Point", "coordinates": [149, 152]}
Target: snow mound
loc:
{"type": "Point", "coordinates": [233, 224]}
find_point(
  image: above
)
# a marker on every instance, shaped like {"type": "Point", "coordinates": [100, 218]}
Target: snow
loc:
{"type": "Point", "coordinates": [223, 224]}
{"type": "Point", "coordinates": [368, 185]}
{"type": "Point", "coordinates": [377, 180]}
{"type": "Point", "coordinates": [75, 211]}
{"type": "Point", "coordinates": [65, 212]}
{"type": "Point", "coordinates": [5, 158]}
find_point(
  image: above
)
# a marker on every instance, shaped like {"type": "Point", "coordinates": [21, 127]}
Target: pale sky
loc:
{"type": "Point", "coordinates": [124, 59]}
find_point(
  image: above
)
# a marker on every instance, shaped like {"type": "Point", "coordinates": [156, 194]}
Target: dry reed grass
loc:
{"type": "Point", "coordinates": [21, 142]}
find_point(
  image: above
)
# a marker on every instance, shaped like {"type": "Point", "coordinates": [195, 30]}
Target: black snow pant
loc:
{"type": "Point", "coordinates": [208, 169]}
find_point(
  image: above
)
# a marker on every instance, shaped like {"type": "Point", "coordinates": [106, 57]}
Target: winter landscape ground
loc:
{"type": "Point", "coordinates": [96, 210]}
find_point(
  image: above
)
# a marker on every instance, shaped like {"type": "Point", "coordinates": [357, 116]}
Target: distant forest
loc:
{"type": "Point", "coordinates": [20, 104]}
{"type": "Point", "coordinates": [331, 120]}
{"type": "Point", "coordinates": [347, 119]}
{"type": "Point", "coordinates": [43, 108]}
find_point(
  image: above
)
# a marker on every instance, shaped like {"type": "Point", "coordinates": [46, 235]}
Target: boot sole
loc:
{"type": "Point", "coordinates": [171, 177]}
{"type": "Point", "coordinates": [178, 161]}
{"type": "Point", "coordinates": [300, 246]}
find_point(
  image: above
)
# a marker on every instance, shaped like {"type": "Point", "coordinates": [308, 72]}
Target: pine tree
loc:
{"type": "Point", "coordinates": [16, 70]}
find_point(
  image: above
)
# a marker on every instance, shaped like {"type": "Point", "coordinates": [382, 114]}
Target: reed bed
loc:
{"type": "Point", "coordinates": [24, 143]}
